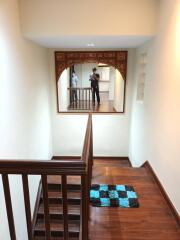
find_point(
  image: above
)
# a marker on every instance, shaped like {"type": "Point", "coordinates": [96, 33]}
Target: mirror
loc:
{"type": "Point", "coordinates": [80, 89]}
{"type": "Point", "coordinates": [91, 87]}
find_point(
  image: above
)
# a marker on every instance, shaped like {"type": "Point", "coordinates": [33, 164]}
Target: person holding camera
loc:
{"type": "Point", "coordinates": [94, 78]}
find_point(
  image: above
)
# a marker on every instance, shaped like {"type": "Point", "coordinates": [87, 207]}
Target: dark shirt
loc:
{"type": "Point", "coordinates": [94, 80]}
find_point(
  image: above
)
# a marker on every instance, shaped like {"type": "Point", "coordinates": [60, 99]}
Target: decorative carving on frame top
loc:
{"type": "Point", "coordinates": [117, 59]}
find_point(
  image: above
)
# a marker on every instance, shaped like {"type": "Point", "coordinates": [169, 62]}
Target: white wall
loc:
{"type": "Point", "coordinates": [68, 134]}
{"type": "Point", "coordinates": [155, 129]}
{"type": "Point", "coordinates": [66, 17]}
{"type": "Point", "coordinates": [24, 107]}
{"type": "Point", "coordinates": [63, 93]}
{"type": "Point", "coordinates": [111, 132]}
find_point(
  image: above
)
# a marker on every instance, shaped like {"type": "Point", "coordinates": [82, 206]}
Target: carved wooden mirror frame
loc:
{"type": "Point", "coordinates": [65, 59]}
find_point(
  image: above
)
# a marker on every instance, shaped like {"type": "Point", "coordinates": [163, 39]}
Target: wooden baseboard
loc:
{"type": "Point", "coordinates": [37, 203]}
{"type": "Point", "coordinates": [65, 157]}
{"type": "Point", "coordinates": [113, 158]}
{"type": "Point", "coordinates": [163, 192]}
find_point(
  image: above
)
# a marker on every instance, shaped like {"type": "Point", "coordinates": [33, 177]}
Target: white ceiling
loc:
{"type": "Point", "coordinates": [105, 42]}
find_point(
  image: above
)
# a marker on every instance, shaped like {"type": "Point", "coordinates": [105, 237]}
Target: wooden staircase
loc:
{"type": "Point", "coordinates": [62, 203]}
{"type": "Point", "coordinates": [56, 209]}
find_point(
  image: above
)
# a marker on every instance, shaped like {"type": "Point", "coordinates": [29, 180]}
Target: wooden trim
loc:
{"type": "Point", "coordinates": [65, 59]}
{"type": "Point", "coordinates": [66, 157]}
{"type": "Point", "coordinates": [125, 89]}
{"type": "Point", "coordinates": [35, 213]}
{"type": "Point", "coordinates": [163, 191]}
{"type": "Point", "coordinates": [113, 158]}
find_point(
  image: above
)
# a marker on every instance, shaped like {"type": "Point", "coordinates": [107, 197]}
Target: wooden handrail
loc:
{"type": "Point", "coordinates": [53, 167]}
{"type": "Point", "coordinates": [87, 157]}
{"type": "Point", "coordinates": [87, 141]}
{"type": "Point", "coordinates": [64, 168]}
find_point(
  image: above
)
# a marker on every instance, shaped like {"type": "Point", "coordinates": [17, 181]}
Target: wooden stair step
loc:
{"type": "Point", "coordinates": [53, 179]}
{"type": "Point", "coordinates": [55, 197]}
{"type": "Point", "coordinates": [56, 211]}
{"type": "Point", "coordinates": [118, 162]}
{"type": "Point", "coordinates": [70, 194]}
{"type": "Point", "coordinates": [54, 186]}
{"type": "Point", "coordinates": [73, 182]}
{"type": "Point", "coordinates": [57, 228]}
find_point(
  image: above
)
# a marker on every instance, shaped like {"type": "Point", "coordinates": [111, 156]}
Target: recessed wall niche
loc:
{"type": "Point", "coordinates": [141, 77]}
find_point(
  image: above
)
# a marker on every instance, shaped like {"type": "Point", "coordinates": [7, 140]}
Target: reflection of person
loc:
{"type": "Point", "coordinates": [74, 81]}
{"type": "Point", "coordinates": [94, 78]}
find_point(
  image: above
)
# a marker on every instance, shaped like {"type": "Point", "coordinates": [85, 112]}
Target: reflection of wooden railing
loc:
{"type": "Point", "coordinates": [80, 98]}
{"type": "Point", "coordinates": [63, 168]}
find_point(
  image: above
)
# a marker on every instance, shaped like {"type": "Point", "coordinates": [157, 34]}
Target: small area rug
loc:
{"type": "Point", "coordinates": [103, 195]}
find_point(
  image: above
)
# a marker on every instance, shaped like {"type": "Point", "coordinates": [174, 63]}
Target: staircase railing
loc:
{"type": "Point", "coordinates": [80, 98]}
{"type": "Point", "coordinates": [63, 168]}
{"type": "Point", "coordinates": [87, 158]}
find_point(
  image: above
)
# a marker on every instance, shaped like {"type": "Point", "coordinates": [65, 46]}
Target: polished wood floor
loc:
{"type": "Point", "coordinates": [153, 220]}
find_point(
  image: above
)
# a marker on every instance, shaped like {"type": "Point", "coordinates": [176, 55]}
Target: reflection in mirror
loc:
{"type": "Point", "coordinates": [91, 87]}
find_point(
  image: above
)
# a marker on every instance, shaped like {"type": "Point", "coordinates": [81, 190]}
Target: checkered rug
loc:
{"type": "Point", "coordinates": [102, 195]}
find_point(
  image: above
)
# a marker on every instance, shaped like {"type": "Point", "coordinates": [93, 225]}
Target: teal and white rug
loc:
{"type": "Point", "coordinates": [103, 195]}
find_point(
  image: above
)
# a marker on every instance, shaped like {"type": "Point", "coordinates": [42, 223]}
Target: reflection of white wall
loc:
{"type": "Point", "coordinates": [83, 72]}
{"type": "Point", "coordinates": [111, 83]}
{"type": "Point", "coordinates": [63, 92]}
{"type": "Point", "coordinates": [118, 91]}
{"type": "Point", "coordinates": [86, 71]}
{"type": "Point", "coordinates": [78, 70]}
{"type": "Point", "coordinates": [104, 73]}
{"type": "Point", "coordinates": [104, 86]}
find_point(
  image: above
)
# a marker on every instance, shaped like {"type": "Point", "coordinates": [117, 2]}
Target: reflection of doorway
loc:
{"type": "Point", "coordinates": [110, 90]}
{"type": "Point", "coordinates": [83, 72]}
